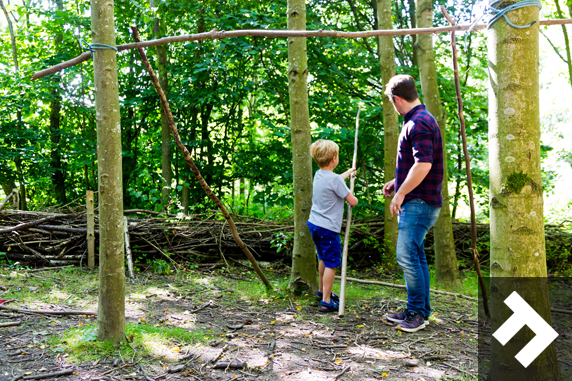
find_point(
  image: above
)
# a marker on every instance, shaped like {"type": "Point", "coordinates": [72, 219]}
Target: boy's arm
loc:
{"type": "Point", "coordinates": [347, 173]}
{"type": "Point", "coordinates": [351, 199]}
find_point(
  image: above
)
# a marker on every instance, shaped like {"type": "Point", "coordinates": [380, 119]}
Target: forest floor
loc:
{"type": "Point", "coordinates": [191, 325]}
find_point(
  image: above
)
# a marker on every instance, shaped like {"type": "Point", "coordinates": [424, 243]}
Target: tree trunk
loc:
{"type": "Point", "coordinates": [386, 55]}
{"type": "Point", "coordinates": [303, 276]}
{"type": "Point", "coordinates": [412, 16]}
{"type": "Point", "coordinates": [58, 178]}
{"type": "Point", "coordinates": [517, 246]}
{"type": "Point", "coordinates": [446, 269]}
{"type": "Point", "coordinates": [166, 154]}
{"type": "Point", "coordinates": [111, 308]}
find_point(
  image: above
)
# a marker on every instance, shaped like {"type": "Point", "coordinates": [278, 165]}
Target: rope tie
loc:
{"type": "Point", "coordinates": [498, 13]}
{"type": "Point", "coordinates": [95, 46]}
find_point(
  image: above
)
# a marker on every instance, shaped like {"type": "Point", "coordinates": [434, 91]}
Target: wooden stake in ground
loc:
{"type": "Point", "coordinates": [128, 248]}
{"type": "Point", "coordinates": [348, 224]}
{"type": "Point", "coordinates": [191, 163]}
{"type": "Point", "coordinates": [90, 231]}
{"type": "Point", "coordinates": [467, 163]}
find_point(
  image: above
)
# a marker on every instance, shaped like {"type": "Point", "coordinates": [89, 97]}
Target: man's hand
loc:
{"type": "Point", "coordinates": [395, 206]}
{"type": "Point", "coordinates": [388, 188]}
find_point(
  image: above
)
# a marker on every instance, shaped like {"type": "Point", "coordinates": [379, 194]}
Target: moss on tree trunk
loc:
{"type": "Point", "coordinates": [111, 308]}
{"type": "Point", "coordinates": [303, 276]}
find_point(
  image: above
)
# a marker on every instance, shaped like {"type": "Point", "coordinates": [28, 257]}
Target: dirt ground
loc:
{"type": "Point", "coordinates": [271, 336]}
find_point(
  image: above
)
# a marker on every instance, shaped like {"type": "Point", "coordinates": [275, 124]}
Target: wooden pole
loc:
{"type": "Point", "coordinates": [467, 162]}
{"type": "Point", "coordinates": [214, 35]}
{"type": "Point", "coordinates": [348, 225]}
{"type": "Point", "coordinates": [192, 165]}
{"type": "Point", "coordinates": [128, 248]}
{"type": "Point", "coordinates": [90, 231]}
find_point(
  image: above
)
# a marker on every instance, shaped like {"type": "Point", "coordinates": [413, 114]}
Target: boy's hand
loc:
{"type": "Point", "coordinates": [348, 173]}
{"type": "Point", "coordinates": [388, 188]}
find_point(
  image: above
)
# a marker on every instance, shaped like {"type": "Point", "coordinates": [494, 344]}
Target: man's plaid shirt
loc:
{"type": "Point", "coordinates": [420, 142]}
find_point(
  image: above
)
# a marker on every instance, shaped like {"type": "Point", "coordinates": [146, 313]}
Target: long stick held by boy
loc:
{"type": "Point", "coordinates": [325, 221]}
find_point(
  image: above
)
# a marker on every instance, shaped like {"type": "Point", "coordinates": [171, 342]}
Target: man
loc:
{"type": "Point", "coordinates": [418, 199]}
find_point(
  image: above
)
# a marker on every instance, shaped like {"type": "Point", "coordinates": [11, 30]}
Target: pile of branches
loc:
{"type": "Point", "coordinates": [207, 238]}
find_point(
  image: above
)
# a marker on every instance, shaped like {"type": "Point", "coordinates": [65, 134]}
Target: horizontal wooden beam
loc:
{"type": "Point", "coordinates": [219, 35]}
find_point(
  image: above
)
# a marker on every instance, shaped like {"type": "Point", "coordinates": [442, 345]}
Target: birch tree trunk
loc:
{"type": "Point", "coordinates": [303, 276]}
{"type": "Point", "coordinates": [111, 308]}
{"type": "Point", "coordinates": [446, 269]}
{"type": "Point", "coordinates": [386, 53]}
{"type": "Point", "coordinates": [166, 154]}
{"type": "Point", "coordinates": [517, 246]}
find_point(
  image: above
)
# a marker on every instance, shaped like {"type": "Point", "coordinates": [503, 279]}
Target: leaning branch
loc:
{"type": "Point", "coordinates": [219, 35]}
{"type": "Point", "coordinates": [191, 163]}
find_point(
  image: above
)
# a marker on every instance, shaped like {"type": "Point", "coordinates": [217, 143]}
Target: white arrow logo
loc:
{"type": "Point", "coordinates": [523, 315]}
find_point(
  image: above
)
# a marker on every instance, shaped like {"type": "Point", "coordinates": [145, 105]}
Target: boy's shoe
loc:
{"type": "Point", "coordinates": [333, 297]}
{"type": "Point", "coordinates": [328, 307]}
{"type": "Point", "coordinates": [402, 316]}
{"type": "Point", "coordinates": [413, 323]}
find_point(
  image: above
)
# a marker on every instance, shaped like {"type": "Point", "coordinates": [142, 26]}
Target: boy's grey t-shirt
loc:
{"type": "Point", "coordinates": [330, 190]}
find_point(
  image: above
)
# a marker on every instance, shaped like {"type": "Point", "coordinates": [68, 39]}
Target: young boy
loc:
{"type": "Point", "coordinates": [325, 221]}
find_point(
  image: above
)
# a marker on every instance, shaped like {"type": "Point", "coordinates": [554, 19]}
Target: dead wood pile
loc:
{"type": "Point", "coordinates": [207, 237]}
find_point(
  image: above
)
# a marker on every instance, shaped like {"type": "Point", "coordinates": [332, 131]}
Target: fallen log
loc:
{"type": "Point", "coordinates": [47, 312]}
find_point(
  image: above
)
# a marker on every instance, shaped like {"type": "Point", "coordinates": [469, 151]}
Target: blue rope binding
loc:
{"type": "Point", "coordinates": [95, 46]}
{"type": "Point", "coordinates": [498, 13]}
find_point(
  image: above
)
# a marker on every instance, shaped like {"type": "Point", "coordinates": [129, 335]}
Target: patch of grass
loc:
{"type": "Point", "coordinates": [163, 342]}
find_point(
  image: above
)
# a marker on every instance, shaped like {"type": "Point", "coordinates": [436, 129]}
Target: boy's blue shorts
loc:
{"type": "Point", "coordinates": [328, 245]}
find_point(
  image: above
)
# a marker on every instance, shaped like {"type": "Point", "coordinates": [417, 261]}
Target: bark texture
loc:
{"type": "Point", "coordinates": [386, 52]}
{"type": "Point", "coordinates": [516, 206]}
{"type": "Point", "coordinates": [446, 268]}
{"type": "Point", "coordinates": [166, 153]}
{"type": "Point", "coordinates": [111, 308]}
{"type": "Point", "coordinates": [303, 275]}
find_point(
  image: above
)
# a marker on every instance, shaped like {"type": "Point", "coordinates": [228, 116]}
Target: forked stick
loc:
{"type": "Point", "coordinates": [348, 223]}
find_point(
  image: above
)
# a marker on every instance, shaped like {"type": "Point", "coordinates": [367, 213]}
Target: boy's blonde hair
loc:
{"type": "Point", "coordinates": [323, 151]}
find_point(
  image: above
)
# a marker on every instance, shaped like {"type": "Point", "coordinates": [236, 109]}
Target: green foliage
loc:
{"type": "Point", "coordinates": [161, 266]}
{"type": "Point", "coordinates": [229, 99]}
{"type": "Point", "coordinates": [282, 242]}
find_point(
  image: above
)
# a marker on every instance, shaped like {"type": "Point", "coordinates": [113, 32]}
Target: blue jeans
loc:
{"type": "Point", "coordinates": [414, 223]}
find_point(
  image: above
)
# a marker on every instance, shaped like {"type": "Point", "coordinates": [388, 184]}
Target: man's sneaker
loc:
{"type": "Point", "coordinates": [320, 296]}
{"type": "Point", "coordinates": [401, 316]}
{"type": "Point", "coordinates": [413, 323]}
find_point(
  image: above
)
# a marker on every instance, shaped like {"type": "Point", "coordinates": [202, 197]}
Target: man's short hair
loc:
{"type": "Point", "coordinates": [403, 86]}
{"type": "Point", "coordinates": [323, 151]}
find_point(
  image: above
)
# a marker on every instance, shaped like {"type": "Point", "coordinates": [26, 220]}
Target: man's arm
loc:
{"type": "Point", "coordinates": [415, 176]}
